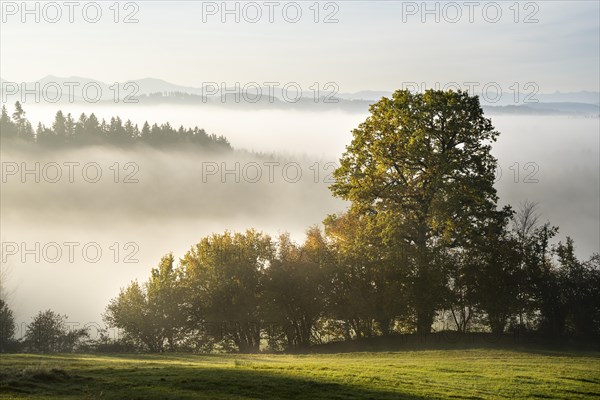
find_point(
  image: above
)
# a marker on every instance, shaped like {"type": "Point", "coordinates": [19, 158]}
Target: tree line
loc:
{"type": "Point", "coordinates": [244, 291]}
{"type": "Point", "coordinates": [423, 246]}
{"type": "Point", "coordinates": [89, 130]}
{"type": "Point", "coordinates": [234, 291]}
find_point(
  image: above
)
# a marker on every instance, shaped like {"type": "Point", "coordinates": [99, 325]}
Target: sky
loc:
{"type": "Point", "coordinates": [375, 45]}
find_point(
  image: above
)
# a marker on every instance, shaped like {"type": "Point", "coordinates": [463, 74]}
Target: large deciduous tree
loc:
{"type": "Point", "coordinates": [493, 273]}
{"type": "Point", "coordinates": [295, 289]}
{"type": "Point", "coordinates": [224, 285]}
{"type": "Point", "coordinates": [367, 289]}
{"type": "Point", "coordinates": [151, 315]}
{"type": "Point", "coordinates": [424, 161]}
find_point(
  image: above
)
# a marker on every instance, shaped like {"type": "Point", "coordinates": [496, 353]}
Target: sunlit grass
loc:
{"type": "Point", "coordinates": [411, 374]}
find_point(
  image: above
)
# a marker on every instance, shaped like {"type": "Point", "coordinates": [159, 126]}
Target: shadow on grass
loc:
{"type": "Point", "coordinates": [452, 340]}
{"type": "Point", "coordinates": [177, 382]}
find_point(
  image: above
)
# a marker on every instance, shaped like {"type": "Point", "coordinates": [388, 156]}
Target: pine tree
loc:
{"type": "Point", "coordinates": [24, 129]}
{"type": "Point", "coordinates": [7, 128]}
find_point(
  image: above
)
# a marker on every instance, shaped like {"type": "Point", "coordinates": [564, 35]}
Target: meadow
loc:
{"type": "Point", "coordinates": [426, 374]}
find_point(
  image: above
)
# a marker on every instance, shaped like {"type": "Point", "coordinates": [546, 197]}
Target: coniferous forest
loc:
{"type": "Point", "coordinates": [88, 130]}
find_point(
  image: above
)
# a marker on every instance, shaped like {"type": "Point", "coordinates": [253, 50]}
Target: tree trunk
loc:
{"type": "Point", "coordinates": [424, 321]}
{"type": "Point", "coordinates": [424, 285]}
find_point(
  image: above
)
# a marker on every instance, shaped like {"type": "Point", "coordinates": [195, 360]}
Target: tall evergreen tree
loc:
{"type": "Point", "coordinates": [23, 126]}
{"type": "Point", "coordinates": [8, 129]}
{"type": "Point", "coordinates": [7, 326]}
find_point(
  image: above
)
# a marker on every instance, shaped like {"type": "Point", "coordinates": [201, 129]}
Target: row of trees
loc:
{"type": "Point", "coordinates": [48, 332]}
{"type": "Point", "coordinates": [236, 291]}
{"type": "Point", "coordinates": [88, 130]}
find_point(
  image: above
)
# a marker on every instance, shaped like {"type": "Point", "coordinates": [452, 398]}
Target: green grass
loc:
{"type": "Point", "coordinates": [466, 374]}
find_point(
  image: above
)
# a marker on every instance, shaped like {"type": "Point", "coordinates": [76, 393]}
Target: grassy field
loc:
{"type": "Point", "coordinates": [446, 374]}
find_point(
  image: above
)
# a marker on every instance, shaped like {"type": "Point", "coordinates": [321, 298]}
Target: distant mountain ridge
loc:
{"type": "Point", "coordinates": [154, 85]}
{"type": "Point", "coordinates": [153, 90]}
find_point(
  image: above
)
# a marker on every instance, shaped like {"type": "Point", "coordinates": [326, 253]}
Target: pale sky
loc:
{"type": "Point", "coordinates": [375, 45]}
